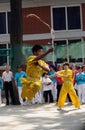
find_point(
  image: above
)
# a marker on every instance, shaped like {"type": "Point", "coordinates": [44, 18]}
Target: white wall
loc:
{"type": "Point", "coordinates": [35, 3]}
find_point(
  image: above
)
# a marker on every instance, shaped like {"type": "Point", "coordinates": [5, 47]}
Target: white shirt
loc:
{"type": "Point", "coordinates": [7, 76]}
{"type": "Point", "coordinates": [47, 87]}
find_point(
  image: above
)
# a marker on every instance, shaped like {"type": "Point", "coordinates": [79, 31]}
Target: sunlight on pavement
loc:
{"type": "Point", "coordinates": [41, 117]}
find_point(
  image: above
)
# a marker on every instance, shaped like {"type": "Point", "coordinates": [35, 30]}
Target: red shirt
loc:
{"type": "Point", "coordinates": [59, 80]}
{"type": "Point", "coordinates": [75, 72]}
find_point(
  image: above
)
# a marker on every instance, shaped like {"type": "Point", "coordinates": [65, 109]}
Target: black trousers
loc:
{"type": "Point", "coordinates": [48, 96]}
{"type": "Point", "coordinates": [58, 90]}
{"type": "Point", "coordinates": [8, 87]}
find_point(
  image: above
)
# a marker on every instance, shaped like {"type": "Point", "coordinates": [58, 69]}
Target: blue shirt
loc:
{"type": "Point", "coordinates": [19, 75]}
{"type": "Point", "coordinates": [1, 84]}
{"type": "Point", "coordinates": [53, 79]}
{"type": "Point", "coordinates": [80, 78]}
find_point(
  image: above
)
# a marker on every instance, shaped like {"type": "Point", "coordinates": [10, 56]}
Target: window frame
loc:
{"type": "Point", "coordinates": [66, 6]}
{"type": "Point", "coordinates": [67, 42]}
{"type": "Point", "coordinates": [7, 57]}
{"type": "Point", "coordinates": [6, 22]}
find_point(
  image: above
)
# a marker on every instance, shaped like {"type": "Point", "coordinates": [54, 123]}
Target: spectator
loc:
{"type": "Point", "coordinates": [54, 88]}
{"type": "Point", "coordinates": [59, 82]}
{"type": "Point", "coordinates": [80, 80]}
{"type": "Point", "coordinates": [7, 77]}
{"type": "Point", "coordinates": [75, 71]}
{"type": "Point", "coordinates": [47, 88]}
{"type": "Point", "coordinates": [19, 74]}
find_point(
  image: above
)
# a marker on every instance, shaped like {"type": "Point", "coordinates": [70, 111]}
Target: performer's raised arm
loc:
{"type": "Point", "coordinates": [39, 54]}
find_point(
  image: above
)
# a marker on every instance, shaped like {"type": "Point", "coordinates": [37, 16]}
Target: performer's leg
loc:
{"type": "Point", "coordinates": [30, 88]}
{"type": "Point", "coordinates": [24, 91]}
{"type": "Point", "coordinates": [62, 97]}
{"type": "Point", "coordinates": [74, 97]}
{"type": "Point", "coordinates": [33, 89]}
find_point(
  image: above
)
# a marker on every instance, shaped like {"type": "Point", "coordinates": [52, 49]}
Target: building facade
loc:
{"type": "Point", "coordinates": [66, 17]}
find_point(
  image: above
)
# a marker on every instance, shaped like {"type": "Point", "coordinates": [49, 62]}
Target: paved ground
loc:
{"type": "Point", "coordinates": [41, 117]}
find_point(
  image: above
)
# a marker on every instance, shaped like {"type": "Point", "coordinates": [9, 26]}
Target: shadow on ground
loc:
{"type": "Point", "coordinates": [41, 117]}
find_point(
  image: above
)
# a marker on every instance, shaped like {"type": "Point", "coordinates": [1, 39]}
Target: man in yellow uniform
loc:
{"type": "Point", "coordinates": [35, 68]}
{"type": "Point", "coordinates": [67, 87]}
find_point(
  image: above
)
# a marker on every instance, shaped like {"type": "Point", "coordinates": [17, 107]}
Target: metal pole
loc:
{"type": "Point", "coordinates": [53, 37]}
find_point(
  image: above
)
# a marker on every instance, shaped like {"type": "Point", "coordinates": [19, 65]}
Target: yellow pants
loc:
{"type": "Point", "coordinates": [67, 88]}
{"type": "Point", "coordinates": [30, 88]}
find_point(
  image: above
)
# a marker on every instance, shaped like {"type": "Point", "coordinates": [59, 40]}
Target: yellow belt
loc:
{"type": "Point", "coordinates": [32, 78]}
{"type": "Point", "coordinates": [67, 81]}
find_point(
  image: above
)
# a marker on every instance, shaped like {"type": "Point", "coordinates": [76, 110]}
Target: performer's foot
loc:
{"type": "Point", "coordinates": [23, 93]}
{"type": "Point", "coordinates": [30, 94]}
{"type": "Point", "coordinates": [78, 107]}
{"type": "Point", "coordinates": [59, 108]}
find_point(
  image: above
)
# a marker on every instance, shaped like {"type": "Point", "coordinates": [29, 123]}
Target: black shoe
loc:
{"type": "Point", "coordinates": [7, 104]}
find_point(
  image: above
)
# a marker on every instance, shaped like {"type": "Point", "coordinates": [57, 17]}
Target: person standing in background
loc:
{"type": "Point", "coordinates": [59, 82]}
{"type": "Point", "coordinates": [75, 71]}
{"type": "Point", "coordinates": [80, 80]}
{"type": "Point", "coordinates": [54, 88]}
{"type": "Point", "coordinates": [19, 74]}
{"type": "Point", "coordinates": [7, 77]}
{"type": "Point", "coordinates": [47, 88]}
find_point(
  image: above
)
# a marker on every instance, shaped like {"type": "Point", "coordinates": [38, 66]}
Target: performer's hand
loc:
{"type": "Point", "coordinates": [51, 49]}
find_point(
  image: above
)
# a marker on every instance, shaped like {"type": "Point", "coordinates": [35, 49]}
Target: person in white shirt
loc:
{"type": "Point", "coordinates": [47, 88]}
{"type": "Point", "coordinates": [7, 77]}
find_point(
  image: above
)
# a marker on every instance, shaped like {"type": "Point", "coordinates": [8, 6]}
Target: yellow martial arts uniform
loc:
{"type": "Point", "coordinates": [32, 84]}
{"type": "Point", "coordinates": [67, 88]}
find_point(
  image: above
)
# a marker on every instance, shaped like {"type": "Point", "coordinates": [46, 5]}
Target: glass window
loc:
{"type": "Point", "coordinates": [73, 17]}
{"type": "Point", "coordinates": [59, 20]}
{"type": "Point", "coordinates": [66, 15]}
{"type": "Point", "coordinates": [9, 21]}
{"type": "Point", "coordinates": [61, 51]}
{"type": "Point", "coordinates": [2, 23]}
{"type": "Point", "coordinates": [75, 50]}
{"type": "Point", "coordinates": [3, 57]}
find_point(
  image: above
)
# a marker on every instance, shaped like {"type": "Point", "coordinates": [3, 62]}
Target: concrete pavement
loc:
{"type": "Point", "coordinates": [41, 117]}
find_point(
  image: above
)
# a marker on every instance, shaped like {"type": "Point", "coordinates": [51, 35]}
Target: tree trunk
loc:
{"type": "Point", "coordinates": [16, 33]}
{"type": "Point", "coordinates": [16, 38]}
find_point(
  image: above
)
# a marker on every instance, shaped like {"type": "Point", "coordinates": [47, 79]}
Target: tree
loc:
{"type": "Point", "coordinates": [16, 32]}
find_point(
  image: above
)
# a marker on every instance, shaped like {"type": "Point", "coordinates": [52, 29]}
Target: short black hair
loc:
{"type": "Point", "coordinates": [65, 63]}
{"type": "Point", "coordinates": [36, 48]}
{"type": "Point", "coordinates": [44, 74]}
{"type": "Point", "coordinates": [52, 66]}
{"type": "Point", "coordinates": [19, 66]}
{"type": "Point", "coordinates": [79, 67]}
